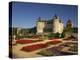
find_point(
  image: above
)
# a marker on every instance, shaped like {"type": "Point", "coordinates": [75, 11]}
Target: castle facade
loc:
{"type": "Point", "coordinates": [54, 25]}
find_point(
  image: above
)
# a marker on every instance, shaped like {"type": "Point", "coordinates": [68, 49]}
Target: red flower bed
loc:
{"type": "Point", "coordinates": [23, 41]}
{"type": "Point", "coordinates": [54, 42]}
{"type": "Point", "coordinates": [33, 47]}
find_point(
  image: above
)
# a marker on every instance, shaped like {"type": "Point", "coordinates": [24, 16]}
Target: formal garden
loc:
{"type": "Point", "coordinates": [50, 44]}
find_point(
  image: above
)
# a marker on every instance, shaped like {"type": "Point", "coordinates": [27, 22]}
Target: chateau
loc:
{"type": "Point", "coordinates": [54, 25]}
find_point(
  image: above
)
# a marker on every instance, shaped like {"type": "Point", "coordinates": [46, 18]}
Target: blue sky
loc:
{"type": "Point", "coordinates": [25, 14]}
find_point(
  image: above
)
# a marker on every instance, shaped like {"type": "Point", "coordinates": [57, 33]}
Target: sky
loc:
{"type": "Point", "coordinates": [25, 14]}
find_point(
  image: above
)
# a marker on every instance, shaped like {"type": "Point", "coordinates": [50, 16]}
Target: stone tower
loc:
{"type": "Point", "coordinates": [69, 24]}
{"type": "Point", "coordinates": [40, 26]}
{"type": "Point", "coordinates": [57, 25]}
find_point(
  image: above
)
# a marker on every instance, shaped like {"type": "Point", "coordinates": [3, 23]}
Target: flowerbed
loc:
{"type": "Point", "coordinates": [24, 41]}
{"type": "Point", "coordinates": [54, 42]}
{"type": "Point", "coordinates": [33, 47]}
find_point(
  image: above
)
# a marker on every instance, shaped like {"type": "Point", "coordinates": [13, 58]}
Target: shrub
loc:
{"type": "Point", "coordinates": [46, 52]}
{"type": "Point", "coordinates": [54, 35]}
{"type": "Point", "coordinates": [62, 35]}
{"type": "Point", "coordinates": [50, 35]}
{"type": "Point", "coordinates": [57, 35]}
